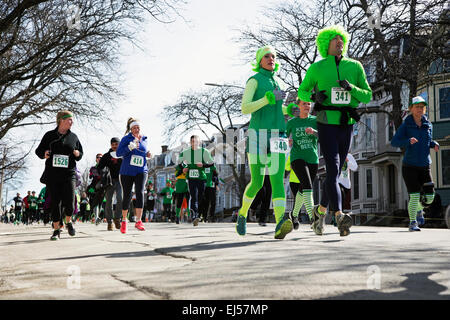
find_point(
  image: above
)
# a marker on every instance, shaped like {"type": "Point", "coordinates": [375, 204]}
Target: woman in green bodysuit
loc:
{"type": "Point", "coordinates": [267, 143]}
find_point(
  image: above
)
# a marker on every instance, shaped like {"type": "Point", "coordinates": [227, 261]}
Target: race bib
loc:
{"type": "Point", "coordinates": [193, 173]}
{"type": "Point", "coordinates": [150, 198]}
{"type": "Point", "coordinates": [60, 161]}
{"type": "Point", "coordinates": [19, 204]}
{"type": "Point", "coordinates": [169, 196]}
{"type": "Point", "coordinates": [340, 96]}
{"type": "Point", "coordinates": [207, 170]}
{"type": "Point", "coordinates": [279, 145]}
{"type": "Point", "coordinates": [137, 161]}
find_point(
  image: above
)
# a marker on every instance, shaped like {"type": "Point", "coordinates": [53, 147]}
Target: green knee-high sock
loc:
{"type": "Point", "coordinates": [177, 211]}
{"type": "Point", "coordinates": [279, 207]}
{"type": "Point", "coordinates": [246, 203]}
{"type": "Point", "coordinates": [413, 205]}
{"type": "Point", "coordinates": [309, 201]}
{"type": "Point", "coordinates": [298, 204]}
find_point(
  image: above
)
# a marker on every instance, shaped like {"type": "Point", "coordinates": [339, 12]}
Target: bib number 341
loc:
{"type": "Point", "coordinates": [340, 96]}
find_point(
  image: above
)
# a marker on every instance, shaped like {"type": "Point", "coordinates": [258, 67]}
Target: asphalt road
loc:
{"type": "Point", "coordinates": [212, 262]}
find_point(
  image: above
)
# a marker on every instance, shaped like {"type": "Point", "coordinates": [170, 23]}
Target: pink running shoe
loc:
{"type": "Point", "coordinates": [139, 225]}
{"type": "Point", "coordinates": [123, 227]}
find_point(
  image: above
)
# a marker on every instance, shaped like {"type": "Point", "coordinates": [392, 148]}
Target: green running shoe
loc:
{"type": "Point", "coordinates": [283, 227]}
{"type": "Point", "coordinates": [241, 225]}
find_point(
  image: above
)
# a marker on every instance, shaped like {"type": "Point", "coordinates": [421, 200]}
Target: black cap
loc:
{"type": "Point", "coordinates": [115, 139]}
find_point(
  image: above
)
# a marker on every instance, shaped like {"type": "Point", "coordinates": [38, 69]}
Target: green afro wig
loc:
{"type": "Point", "coordinates": [261, 53]}
{"type": "Point", "coordinates": [325, 35]}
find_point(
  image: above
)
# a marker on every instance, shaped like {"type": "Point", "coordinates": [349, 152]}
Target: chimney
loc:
{"type": "Point", "coordinates": [164, 149]}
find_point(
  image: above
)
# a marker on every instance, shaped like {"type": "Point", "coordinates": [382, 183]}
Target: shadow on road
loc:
{"type": "Point", "coordinates": [418, 286]}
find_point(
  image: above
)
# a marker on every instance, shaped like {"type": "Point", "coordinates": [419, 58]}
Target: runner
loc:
{"type": "Point", "coordinates": [109, 165]}
{"type": "Point", "coordinates": [46, 206]}
{"type": "Point", "coordinates": [339, 85]}
{"type": "Point", "coordinates": [208, 205]}
{"type": "Point", "coordinates": [84, 203]}
{"type": "Point", "coordinates": [26, 211]}
{"type": "Point", "coordinates": [304, 157]}
{"type": "Point", "coordinates": [415, 135]}
{"type": "Point", "coordinates": [150, 203]}
{"type": "Point", "coordinates": [133, 170]}
{"type": "Point", "coordinates": [294, 185]}
{"type": "Point", "coordinates": [33, 210]}
{"type": "Point", "coordinates": [95, 189]}
{"type": "Point", "coordinates": [61, 148]}
{"type": "Point", "coordinates": [196, 160]}
{"type": "Point", "coordinates": [267, 143]}
{"type": "Point", "coordinates": [166, 193]}
{"type": "Point", "coordinates": [181, 191]}
{"type": "Point", "coordinates": [18, 205]}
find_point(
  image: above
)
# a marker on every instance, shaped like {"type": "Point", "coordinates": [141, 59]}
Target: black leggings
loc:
{"type": "Point", "coordinates": [416, 177]}
{"type": "Point", "coordinates": [334, 142]}
{"type": "Point", "coordinates": [63, 197]}
{"type": "Point", "coordinates": [127, 185]}
{"type": "Point", "coordinates": [305, 172]}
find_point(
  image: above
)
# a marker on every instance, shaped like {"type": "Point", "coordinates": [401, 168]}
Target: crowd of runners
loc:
{"type": "Point", "coordinates": [333, 86]}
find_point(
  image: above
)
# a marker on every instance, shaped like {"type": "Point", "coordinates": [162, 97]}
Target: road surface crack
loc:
{"type": "Point", "coordinates": [146, 290]}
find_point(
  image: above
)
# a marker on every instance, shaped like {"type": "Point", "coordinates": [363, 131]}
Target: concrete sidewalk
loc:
{"type": "Point", "coordinates": [169, 261]}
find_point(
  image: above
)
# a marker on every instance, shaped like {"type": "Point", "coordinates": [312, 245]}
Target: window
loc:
{"type": "Point", "coordinates": [444, 103]}
{"type": "Point", "coordinates": [369, 131]}
{"type": "Point", "coordinates": [445, 160]}
{"type": "Point", "coordinates": [369, 183]}
{"type": "Point", "coordinates": [356, 185]}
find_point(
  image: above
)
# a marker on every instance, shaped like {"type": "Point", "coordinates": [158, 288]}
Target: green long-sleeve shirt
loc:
{"type": "Point", "coordinates": [324, 74]}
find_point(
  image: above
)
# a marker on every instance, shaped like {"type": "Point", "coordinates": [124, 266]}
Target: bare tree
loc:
{"type": "Point", "coordinates": [216, 109]}
{"type": "Point", "coordinates": [57, 54]}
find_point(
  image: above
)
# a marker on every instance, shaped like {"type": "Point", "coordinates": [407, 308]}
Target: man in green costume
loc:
{"type": "Point", "coordinates": [339, 86]}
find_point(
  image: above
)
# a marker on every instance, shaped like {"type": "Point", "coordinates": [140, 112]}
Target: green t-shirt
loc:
{"type": "Point", "coordinates": [304, 145]}
{"type": "Point", "coordinates": [191, 158]}
{"type": "Point", "coordinates": [209, 175]}
{"type": "Point", "coordinates": [32, 201]}
{"type": "Point", "coordinates": [167, 195]}
{"type": "Point", "coordinates": [323, 75]}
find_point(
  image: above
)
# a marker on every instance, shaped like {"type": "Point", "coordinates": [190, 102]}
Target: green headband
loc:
{"type": "Point", "coordinates": [261, 53]}
{"type": "Point", "coordinates": [66, 116]}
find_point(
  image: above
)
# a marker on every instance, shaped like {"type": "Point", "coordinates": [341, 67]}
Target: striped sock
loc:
{"type": "Point", "coordinates": [279, 206]}
{"type": "Point", "coordinates": [298, 204]}
{"type": "Point", "coordinates": [309, 201]}
{"type": "Point", "coordinates": [246, 203]}
{"type": "Point", "coordinates": [429, 198]}
{"type": "Point", "coordinates": [413, 205]}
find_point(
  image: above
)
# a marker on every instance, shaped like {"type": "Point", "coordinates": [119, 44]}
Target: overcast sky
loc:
{"type": "Point", "coordinates": [178, 57]}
